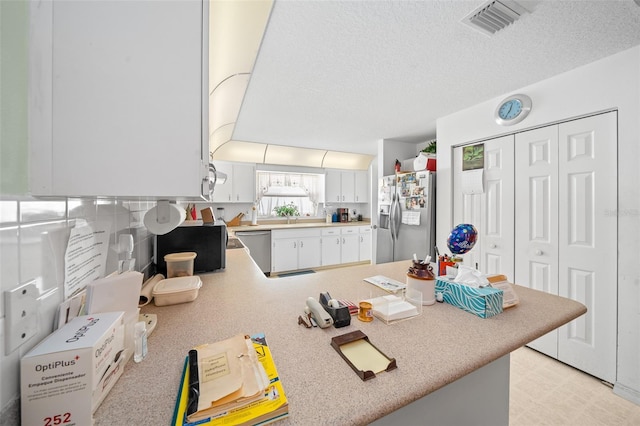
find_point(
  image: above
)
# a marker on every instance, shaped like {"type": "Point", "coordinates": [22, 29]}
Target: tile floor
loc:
{"type": "Point", "coordinates": [547, 392]}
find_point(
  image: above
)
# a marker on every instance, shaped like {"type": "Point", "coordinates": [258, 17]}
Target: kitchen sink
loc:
{"type": "Point", "coordinates": [234, 243]}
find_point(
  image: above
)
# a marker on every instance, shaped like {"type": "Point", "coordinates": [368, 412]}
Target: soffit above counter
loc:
{"type": "Point", "coordinates": [259, 153]}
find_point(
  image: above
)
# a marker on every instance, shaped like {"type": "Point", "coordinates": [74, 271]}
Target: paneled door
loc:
{"type": "Point", "coordinates": [491, 212]}
{"type": "Point", "coordinates": [588, 242]}
{"type": "Point", "coordinates": [566, 234]}
{"type": "Point", "coordinates": [536, 245]}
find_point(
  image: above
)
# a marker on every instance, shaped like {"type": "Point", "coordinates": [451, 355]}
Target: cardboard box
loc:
{"type": "Point", "coordinates": [67, 375]}
{"type": "Point", "coordinates": [483, 302]}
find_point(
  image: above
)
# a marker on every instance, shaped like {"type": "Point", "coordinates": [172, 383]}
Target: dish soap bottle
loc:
{"type": "Point", "coordinates": [140, 337]}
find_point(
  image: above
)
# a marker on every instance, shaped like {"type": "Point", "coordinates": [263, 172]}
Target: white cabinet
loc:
{"type": "Point", "coordinates": [119, 104]}
{"type": "Point", "coordinates": [346, 186]}
{"type": "Point", "coordinates": [361, 186]}
{"type": "Point", "coordinates": [331, 244]}
{"type": "Point", "coordinates": [365, 243]}
{"type": "Point", "coordinates": [240, 186]}
{"type": "Point", "coordinates": [346, 244]}
{"type": "Point", "coordinates": [293, 249]}
{"type": "Point", "coordinates": [350, 244]}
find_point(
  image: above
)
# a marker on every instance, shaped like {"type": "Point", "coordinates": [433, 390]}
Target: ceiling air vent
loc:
{"type": "Point", "coordinates": [495, 15]}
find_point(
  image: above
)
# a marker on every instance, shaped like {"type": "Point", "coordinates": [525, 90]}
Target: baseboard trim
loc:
{"type": "Point", "coordinates": [627, 393]}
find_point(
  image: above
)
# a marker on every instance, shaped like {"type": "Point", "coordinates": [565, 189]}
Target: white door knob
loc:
{"type": "Point", "coordinates": [493, 246]}
{"type": "Point", "coordinates": [538, 252]}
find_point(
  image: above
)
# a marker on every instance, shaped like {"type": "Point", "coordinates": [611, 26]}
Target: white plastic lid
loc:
{"type": "Point", "coordinates": [180, 257]}
{"type": "Point", "coordinates": [177, 285]}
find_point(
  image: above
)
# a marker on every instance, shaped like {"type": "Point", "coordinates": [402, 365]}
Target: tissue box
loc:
{"type": "Point", "coordinates": [483, 302]}
{"type": "Point", "coordinates": [67, 375]}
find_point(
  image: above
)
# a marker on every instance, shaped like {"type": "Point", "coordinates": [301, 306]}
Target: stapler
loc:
{"type": "Point", "coordinates": [339, 312]}
{"type": "Point", "coordinates": [318, 313]}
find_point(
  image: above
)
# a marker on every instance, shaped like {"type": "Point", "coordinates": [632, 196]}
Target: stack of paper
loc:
{"type": "Point", "coordinates": [233, 381]}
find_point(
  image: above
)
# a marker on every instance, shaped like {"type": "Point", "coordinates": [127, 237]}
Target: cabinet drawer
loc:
{"type": "Point", "coordinates": [365, 229]}
{"type": "Point", "coordinates": [330, 231]}
{"type": "Point", "coordinates": [349, 230]}
{"type": "Point", "coordinates": [295, 233]}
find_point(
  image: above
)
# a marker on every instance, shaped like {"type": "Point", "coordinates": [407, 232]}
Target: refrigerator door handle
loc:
{"type": "Point", "coordinates": [392, 222]}
{"type": "Point", "coordinates": [397, 216]}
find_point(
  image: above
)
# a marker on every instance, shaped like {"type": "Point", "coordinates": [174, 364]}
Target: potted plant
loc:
{"type": "Point", "coordinates": [430, 151]}
{"type": "Point", "coordinates": [286, 210]}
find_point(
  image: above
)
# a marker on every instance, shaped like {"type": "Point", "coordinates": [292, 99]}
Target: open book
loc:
{"type": "Point", "coordinates": [224, 376]}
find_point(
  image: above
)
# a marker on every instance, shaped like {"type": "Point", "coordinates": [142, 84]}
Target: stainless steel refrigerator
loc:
{"type": "Point", "coordinates": [406, 216]}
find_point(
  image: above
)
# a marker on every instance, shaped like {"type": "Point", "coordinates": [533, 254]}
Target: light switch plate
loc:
{"type": "Point", "coordinates": [21, 315]}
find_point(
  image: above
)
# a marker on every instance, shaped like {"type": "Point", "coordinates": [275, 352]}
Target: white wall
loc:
{"type": "Point", "coordinates": [610, 83]}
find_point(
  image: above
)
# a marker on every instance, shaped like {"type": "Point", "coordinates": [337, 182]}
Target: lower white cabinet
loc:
{"type": "Point", "coordinates": [293, 249]}
{"type": "Point", "coordinates": [350, 244]}
{"type": "Point", "coordinates": [365, 243]}
{"type": "Point", "coordinates": [331, 246]}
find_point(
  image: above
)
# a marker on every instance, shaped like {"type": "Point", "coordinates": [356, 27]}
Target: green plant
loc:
{"type": "Point", "coordinates": [430, 148]}
{"type": "Point", "coordinates": [286, 210]}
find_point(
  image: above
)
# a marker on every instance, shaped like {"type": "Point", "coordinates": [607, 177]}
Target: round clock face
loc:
{"type": "Point", "coordinates": [513, 110]}
{"type": "Point", "coordinates": [510, 109]}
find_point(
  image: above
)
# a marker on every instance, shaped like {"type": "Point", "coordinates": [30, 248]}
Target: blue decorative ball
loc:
{"type": "Point", "coordinates": [462, 238]}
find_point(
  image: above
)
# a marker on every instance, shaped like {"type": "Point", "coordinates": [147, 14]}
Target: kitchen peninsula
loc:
{"type": "Point", "coordinates": [443, 348]}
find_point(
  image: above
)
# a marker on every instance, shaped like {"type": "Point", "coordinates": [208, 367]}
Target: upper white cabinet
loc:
{"type": "Point", "coordinates": [361, 191]}
{"type": "Point", "coordinates": [119, 95]}
{"type": "Point", "coordinates": [346, 186]}
{"type": "Point", "coordinates": [240, 186]}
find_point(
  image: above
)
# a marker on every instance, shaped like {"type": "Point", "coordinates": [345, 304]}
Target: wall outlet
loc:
{"type": "Point", "coordinates": [21, 315]}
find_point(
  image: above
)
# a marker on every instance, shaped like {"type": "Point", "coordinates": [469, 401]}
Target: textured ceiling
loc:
{"type": "Point", "coordinates": [342, 75]}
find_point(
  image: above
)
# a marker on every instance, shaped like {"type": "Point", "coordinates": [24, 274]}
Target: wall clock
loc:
{"type": "Point", "coordinates": [513, 110]}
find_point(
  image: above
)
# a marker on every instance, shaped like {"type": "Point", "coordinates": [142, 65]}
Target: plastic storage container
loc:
{"type": "Point", "coordinates": [180, 264]}
{"type": "Point", "coordinates": [176, 290]}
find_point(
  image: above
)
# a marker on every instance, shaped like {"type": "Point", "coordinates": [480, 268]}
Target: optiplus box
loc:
{"type": "Point", "coordinates": [67, 375]}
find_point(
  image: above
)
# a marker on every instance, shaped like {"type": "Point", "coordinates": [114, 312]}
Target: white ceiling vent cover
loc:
{"type": "Point", "coordinates": [495, 15]}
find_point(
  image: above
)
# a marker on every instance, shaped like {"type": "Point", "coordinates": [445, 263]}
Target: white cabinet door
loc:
{"type": "Point", "coordinates": [332, 182]}
{"type": "Point", "coordinates": [309, 252]}
{"type": "Point", "coordinates": [348, 187]}
{"type": "Point", "coordinates": [222, 192]}
{"type": "Point", "coordinates": [244, 183]}
{"type": "Point", "coordinates": [361, 186]}
{"type": "Point", "coordinates": [365, 243]}
{"type": "Point", "coordinates": [240, 186]}
{"type": "Point", "coordinates": [350, 241]}
{"type": "Point", "coordinates": [122, 101]}
{"type": "Point", "coordinates": [284, 254]}
{"type": "Point", "coordinates": [331, 246]}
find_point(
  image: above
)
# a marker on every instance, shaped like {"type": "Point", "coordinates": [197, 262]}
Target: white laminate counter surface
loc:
{"type": "Point", "coordinates": [433, 350]}
{"type": "Point", "coordinates": [267, 226]}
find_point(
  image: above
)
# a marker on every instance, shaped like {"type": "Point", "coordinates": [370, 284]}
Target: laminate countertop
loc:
{"type": "Point", "coordinates": [302, 224]}
{"type": "Point", "coordinates": [432, 350]}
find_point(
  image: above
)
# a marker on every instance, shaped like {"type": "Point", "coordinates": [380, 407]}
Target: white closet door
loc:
{"type": "Point", "coordinates": [588, 242]}
{"type": "Point", "coordinates": [492, 212]}
{"type": "Point", "coordinates": [497, 232]}
{"type": "Point", "coordinates": [536, 211]}
{"type": "Point", "coordinates": [467, 208]}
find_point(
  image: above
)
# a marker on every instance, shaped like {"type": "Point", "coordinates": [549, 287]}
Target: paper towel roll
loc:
{"type": "Point", "coordinates": [146, 294]}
